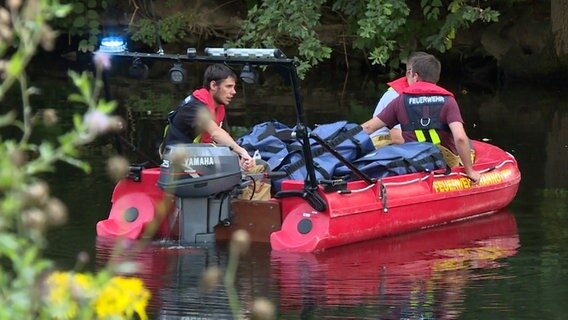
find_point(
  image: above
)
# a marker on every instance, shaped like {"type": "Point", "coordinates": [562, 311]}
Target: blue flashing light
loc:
{"type": "Point", "coordinates": [112, 44]}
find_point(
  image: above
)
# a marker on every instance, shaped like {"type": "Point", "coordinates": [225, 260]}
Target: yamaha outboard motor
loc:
{"type": "Point", "coordinates": [201, 176]}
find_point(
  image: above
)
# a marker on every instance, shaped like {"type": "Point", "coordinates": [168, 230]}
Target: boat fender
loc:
{"type": "Point", "coordinates": [129, 216]}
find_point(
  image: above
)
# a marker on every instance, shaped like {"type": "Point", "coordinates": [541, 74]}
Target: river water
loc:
{"type": "Point", "coordinates": [510, 265]}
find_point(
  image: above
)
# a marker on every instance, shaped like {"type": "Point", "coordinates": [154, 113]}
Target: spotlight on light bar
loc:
{"type": "Point", "coordinates": [177, 74]}
{"type": "Point", "coordinates": [250, 53]}
{"type": "Point", "coordinates": [138, 69]}
{"type": "Point", "coordinates": [112, 44]}
{"type": "Point", "coordinates": [249, 74]}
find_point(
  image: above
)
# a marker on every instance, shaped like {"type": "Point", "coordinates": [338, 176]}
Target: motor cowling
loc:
{"type": "Point", "coordinates": [198, 170]}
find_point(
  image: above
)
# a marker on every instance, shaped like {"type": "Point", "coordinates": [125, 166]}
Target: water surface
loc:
{"type": "Point", "coordinates": [510, 265]}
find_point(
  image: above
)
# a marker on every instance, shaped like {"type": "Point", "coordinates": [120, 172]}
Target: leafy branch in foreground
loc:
{"type": "Point", "coordinates": [28, 287]}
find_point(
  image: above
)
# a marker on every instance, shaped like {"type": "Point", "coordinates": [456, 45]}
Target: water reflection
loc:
{"type": "Point", "coordinates": [172, 274]}
{"type": "Point", "coordinates": [556, 150]}
{"type": "Point", "coordinates": [421, 275]}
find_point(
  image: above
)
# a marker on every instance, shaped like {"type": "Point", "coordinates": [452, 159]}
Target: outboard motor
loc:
{"type": "Point", "coordinates": [201, 176]}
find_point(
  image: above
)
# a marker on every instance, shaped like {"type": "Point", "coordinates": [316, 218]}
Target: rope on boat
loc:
{"type": "Point", "coordinates": [359, 190]}
{"type": "Point", "coordinates": [401, 183]}
{"type": "Point", "coordinates": [383, 185]}
{"type": "Point", "coordinates": [504, 162]}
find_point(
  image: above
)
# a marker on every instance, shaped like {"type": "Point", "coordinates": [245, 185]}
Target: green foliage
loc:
{"type": "Point", "coordinates": [460, 16]}
{"type": "Point", "coordinates": [277, 23]}
{"type": "Point", "coordinates": [172, 28]}
{"type": "Point", "coordinates": [378, 28]}
{"type": "Point", "coordinates": [431, 9]}
{"type": "Point", "coordinates": [152, 100]}
{"type": "Point", "coordinates": [387, 30]}
{"type": "Point", "coordinates": [83, 21]}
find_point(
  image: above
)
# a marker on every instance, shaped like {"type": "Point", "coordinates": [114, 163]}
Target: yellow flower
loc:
{"type": "Point", "coordinates": [66, 292]}
{"type": "Point", "coordinates": [122, 297]}
{"type": "Point", "coordinates": [118, 298]}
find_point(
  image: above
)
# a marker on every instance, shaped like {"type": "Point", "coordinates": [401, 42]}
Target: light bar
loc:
{"type": "Point", "coordinates": [249, 52]}
{"type": "Point", "coordinates": [112, 44]}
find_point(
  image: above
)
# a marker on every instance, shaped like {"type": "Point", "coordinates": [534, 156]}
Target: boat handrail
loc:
{"type": "Point", "coordinates": [504, 162]}
{"type": "Point", "coordinates": [356, 190]}
{"type": "Point", "coordinates": [401, 183]}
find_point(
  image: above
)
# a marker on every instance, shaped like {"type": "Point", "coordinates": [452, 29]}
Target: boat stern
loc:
{"type": "Point", "coordinates": [137, 205]}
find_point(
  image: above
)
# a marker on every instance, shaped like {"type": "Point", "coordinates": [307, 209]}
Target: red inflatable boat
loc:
{"type": "Point", "coordinates": [397, 204]}
{"type": "Point", "coordinates": [197, 204]}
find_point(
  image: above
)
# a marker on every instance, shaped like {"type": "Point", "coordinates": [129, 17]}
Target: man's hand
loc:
{"type": "Point", "coordinates": [246, 164]}
{"type": "Point", "coordinates": [222, 137]}
{"type": "Point", "coordinates": [245, 160]}
{"type": "Point", "coordinates": [372, 125]}
{"type": "Point", "coordinates": [474, 176]}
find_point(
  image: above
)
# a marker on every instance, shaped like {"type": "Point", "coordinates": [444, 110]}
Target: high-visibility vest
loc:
{"type": "Point", "coordinates": [424, 116]}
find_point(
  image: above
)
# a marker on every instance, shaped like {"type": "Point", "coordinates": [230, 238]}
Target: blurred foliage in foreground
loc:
{"type": "Point", "coordinates": [29, 286]}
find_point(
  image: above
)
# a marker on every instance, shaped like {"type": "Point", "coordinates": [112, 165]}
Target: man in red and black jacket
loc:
{"type": "Point", "coordinates": [201, 116]}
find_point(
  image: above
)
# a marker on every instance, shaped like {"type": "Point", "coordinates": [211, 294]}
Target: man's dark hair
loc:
{"type": "Point", "coordinates": [427, 67]}
{"type": "Point", "coordinates": [217, 72]}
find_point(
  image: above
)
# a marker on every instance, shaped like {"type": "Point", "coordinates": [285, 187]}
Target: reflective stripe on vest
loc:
{"type": "Point", "coordinates": [434, 137]}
